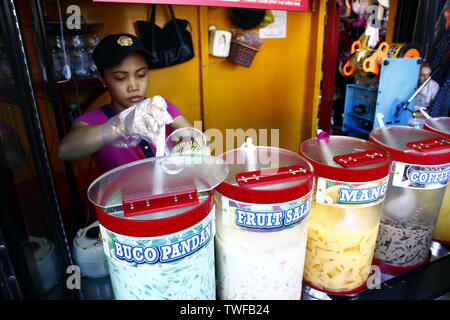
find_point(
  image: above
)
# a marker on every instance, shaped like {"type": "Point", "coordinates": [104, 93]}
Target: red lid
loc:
{"type": "Point", "coordinates": [399, 141]}
{"type": "Point", "coordinates": [266, 175]}
{"type": "Point", "coordinates": [157, 196]}
{"type": "Point", "coordinates": [173, 220]}
{"type": "Point", "coordinates": [330, 157]}
{"type": "Point", "coordinates": [438, 125]}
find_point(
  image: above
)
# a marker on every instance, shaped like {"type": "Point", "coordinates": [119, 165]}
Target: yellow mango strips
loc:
{"type": "Point", "coordinates": [340, 246]}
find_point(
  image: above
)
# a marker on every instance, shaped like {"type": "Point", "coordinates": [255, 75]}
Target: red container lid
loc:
{"type": "Point", "coordinates": [266, 175]}
{"type": "Point", "coordinates": [346, 159]}
{"type": "Point", "coordinates": [157, 196]}
{"type": "Point", "coordinates": [438, 125]}
{"type": "Point", "coordinates": [412, 145]}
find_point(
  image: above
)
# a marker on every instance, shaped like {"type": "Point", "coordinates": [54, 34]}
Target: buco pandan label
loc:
{"type": "Point", "coordinates": [141, 252]}
{"type": "Point", "coordinates": [351, 194]}
{"type": "Point", "coordinates": [420, 177]}
{"type": "Point", "coordinates": [264, 217]}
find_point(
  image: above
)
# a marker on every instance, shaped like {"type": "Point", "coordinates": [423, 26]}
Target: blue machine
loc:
{"type": "Point", "coordinates": [397, 83]}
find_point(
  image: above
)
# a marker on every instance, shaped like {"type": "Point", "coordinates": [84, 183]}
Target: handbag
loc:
{"type": "Point", "coordinates": [167, 46]}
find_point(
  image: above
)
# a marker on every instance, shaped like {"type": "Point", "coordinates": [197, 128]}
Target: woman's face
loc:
{"type": "Point", "coordinates": [127, 82]}
{"type": "Point", "coordinates": [424, 74]}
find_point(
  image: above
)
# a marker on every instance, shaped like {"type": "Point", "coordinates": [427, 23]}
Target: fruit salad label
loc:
{"type": "Point", "coordinates": [264, 217]}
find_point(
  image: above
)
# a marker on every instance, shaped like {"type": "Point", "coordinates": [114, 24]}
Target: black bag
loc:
{"type": "Point", "coordinates": [170, 45]}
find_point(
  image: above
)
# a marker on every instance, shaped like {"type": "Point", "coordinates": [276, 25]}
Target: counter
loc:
{"type": "Point", "coordinates": [428, 282]}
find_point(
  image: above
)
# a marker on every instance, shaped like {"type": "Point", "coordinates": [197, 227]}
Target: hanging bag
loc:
{"type": "Point", "coordinates": [170, 45]}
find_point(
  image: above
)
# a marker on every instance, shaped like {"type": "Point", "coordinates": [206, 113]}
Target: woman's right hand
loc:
{"type": "Point", "coordinates": [141, 121]}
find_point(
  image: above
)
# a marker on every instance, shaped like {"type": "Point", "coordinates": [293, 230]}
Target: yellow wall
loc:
{"type": "Point", "coordinates": [280, 90]}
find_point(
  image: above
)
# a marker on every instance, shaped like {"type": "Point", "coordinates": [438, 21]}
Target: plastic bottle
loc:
{"type": "Point", "coordinates": [58, 58]}
{"type": "Point", "coordinates": [91, 43]}
{"type": "Point", "coordinates": [74, 110]}
{"type": "Point", "coordinates": [79, 57]}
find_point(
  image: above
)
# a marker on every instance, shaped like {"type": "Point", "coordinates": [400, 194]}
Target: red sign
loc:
{"type": "Point", "coordinates": [288, 5]}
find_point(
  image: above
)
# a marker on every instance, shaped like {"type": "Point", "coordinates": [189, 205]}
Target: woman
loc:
{"type": "Point", "coordinates": [126, 129]}
{"type": "Point", "coordinates": [426, 96]}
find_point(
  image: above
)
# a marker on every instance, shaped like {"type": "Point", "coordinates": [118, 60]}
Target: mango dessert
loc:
{"type": "Point", "coordinates": [340, 246]}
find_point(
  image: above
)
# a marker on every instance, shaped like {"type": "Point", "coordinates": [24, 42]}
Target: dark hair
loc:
{"type": "Point", "coordinates": [101, 70]}
{"type": "Point", "coordinates": [426, 64]}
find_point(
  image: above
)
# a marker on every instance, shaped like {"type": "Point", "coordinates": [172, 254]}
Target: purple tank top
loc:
{"type": "Point", "coordinates": [110, 157]}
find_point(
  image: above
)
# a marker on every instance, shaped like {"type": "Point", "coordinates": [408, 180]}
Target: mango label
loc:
{"type": "Point", "coordinates": [349, 194]}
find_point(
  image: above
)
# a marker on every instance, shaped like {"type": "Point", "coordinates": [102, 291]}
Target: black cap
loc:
{"type": "Point", "coordinates": [112, 49]}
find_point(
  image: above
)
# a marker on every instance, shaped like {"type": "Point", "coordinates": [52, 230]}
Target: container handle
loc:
{"type": "Point", "coordinates": [358, 159]}
{"type": "Point", "coordinates": [250, 154]}
{"type": "Point", "coordinates": [271, 176]}
{"type": "Point", "coordinates": [429, 144]}
{"type": "Point", "coordinates": [322, 135]}
{"type": "Point", "coordinates": [160, 202]}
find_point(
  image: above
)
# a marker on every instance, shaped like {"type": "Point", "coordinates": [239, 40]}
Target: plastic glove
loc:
{"type": "Point", "coordinates": [384, 3]}
{"type": "Point", "coordinates": [141, 121]}
{"type": "Point", "coordinates": [373, 34]}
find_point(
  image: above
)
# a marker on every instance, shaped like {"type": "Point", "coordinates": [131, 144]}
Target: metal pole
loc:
{"type": "Point", "coordinates": [30, 114]}
{"type": "Point", "coordinates": [421, 87]}
{"type": "Point", "coordinates": [329, 65]}
{"type": "Point", "coordinates": [38, 17]}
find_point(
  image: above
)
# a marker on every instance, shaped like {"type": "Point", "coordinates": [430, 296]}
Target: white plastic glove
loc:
{"type": "Point", "coordinates": [373, 34]}
{"type": "Point", "coordinates": [384, 3]}
{"type": "Point", "coordinates": [141, 121]}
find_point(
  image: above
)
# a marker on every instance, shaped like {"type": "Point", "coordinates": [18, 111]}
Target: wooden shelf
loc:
{"type": "Point", "coordinates": [82, 83]}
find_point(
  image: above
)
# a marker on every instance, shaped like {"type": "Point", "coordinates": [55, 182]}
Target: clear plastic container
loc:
{"type": "Point", "coordinates": [352, 176]}
{"type": "Point", "coordinates": [79, 56]}
{"type": "Point", "coordinates": [156, 219]}
{"type": "Point", "coordinates": [442, 230]}
{"type": "Point", "coordinates": [187, 140]}
{"type": "Point", "coordinates": [261, 218]}
{"type": "Point", "coordinates": [417, 184]}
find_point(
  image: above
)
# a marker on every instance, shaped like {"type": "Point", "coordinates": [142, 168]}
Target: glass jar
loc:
{"type": "Point", "coordinates": [261, 218]}
{"type": "Point", "coordinates": [156, 219]}
{"type": "Point", "coordinates": [417, 184]}
{"type": "Point", "coordinates": [442, 230]}
{"type": "Point", "coordinates": [351, 181]}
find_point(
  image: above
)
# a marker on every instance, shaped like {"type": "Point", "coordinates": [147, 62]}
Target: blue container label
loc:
{"type": "Point", "coordinates": [413, 176]}
{"type": "Point", "coordinates": [351, 194]}
{"type": "Point", "coordinates": [264, 217]}
{"type": "Point", "coordinates": [163, 249]}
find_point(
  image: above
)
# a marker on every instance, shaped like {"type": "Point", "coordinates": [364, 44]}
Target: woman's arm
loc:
{"type": "Point", "coordinates": [179, 122]}
{"type": "Point", "coordinates": [81, 142]}
{"type": "Point", "coordinates": [85, 139]}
